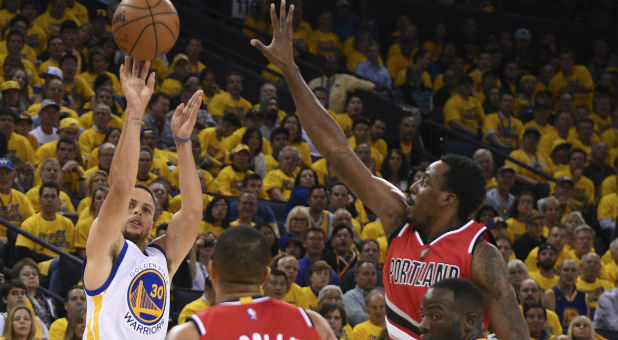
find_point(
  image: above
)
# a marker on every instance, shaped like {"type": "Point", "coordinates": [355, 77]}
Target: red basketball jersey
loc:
{"type": "Point", "coordinates": [412, 267]}
{"type": "Point", "coordinates": [259, 318]}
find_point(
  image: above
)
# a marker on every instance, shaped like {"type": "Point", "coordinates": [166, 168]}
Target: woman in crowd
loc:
{"type": "Point", "coordinates": [28, 272]}
{"type": "Point", "coordinates": [395, 169]}
{"type": "Point", "coordinates": [292, 124]}
{"type": "Point", "coordinates": [253, 139]}
{"type": "Point", "coordinates": [216, 216]}
{"type": "Point", "coordinates": [112, 136]}
{"type": "Point", "coordinates": [571, 221]}
{"type": "Point", "coordinates": [19, 324]}
{"type": "Point", "coordinates": [516, 272]}
{"type": "Point", "coordinates": [520, 210]}
{"type": "Point", "coordinates": [581, 328]}
{"type": "Point", "coordinates": [199, 258]}
{"type": "Point", "coordinates": [305, 180]}
{"type": "Point", "coordinates": [296, 224]}
{"type": "Point", "coordinates": [97, 179]}
{"type": "Point", "coordinates": [77, 324]}
{"type": "Point", "coordinates": [336, 317]}
{"type": "Point", "coordinates": [273, 241]}
{"type": "Point", "coordinates": [25, 90]}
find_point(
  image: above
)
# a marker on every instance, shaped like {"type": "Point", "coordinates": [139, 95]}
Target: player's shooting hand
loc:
{"type": "Point", "coordinates": [137, 89]}
{"type": "Point", "coordinates": [280, 52]}
{"type": "Point", "coordinates": [185, 116]}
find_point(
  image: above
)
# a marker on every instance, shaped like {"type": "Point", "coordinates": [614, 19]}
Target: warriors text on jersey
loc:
{"type": "Point", "coordinates": [134, 301]}
{"type": "Point", "coordinates": [412, 267]}
{"type": "Point", "coordinates": [259, 318]}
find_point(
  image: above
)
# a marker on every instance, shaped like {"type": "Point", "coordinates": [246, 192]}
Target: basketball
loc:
{"type": "Point", "coordinates": [145, 29]}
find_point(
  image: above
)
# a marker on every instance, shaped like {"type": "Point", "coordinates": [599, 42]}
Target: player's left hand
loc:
{"type": "Point", "coordinates": [280, 52]}
{"type": "Point", "coordinates": [185, 116]}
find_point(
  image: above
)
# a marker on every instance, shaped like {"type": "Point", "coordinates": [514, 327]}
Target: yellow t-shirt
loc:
{"type": "Point", "coordinates": [210, 144]}
{"type": "Point", "coordinates": [310, 297]}
{"type": "Point", "coordinates": [58, 328]}
{"type": "Point", "coordinates": [82, 228]}
{"type": "Point", "coordinates": [191, 308]}
{"type": "Point", "coordinates": [51, 25]}
{"type": "Point", "coordinates": [537, 161]}
{"type": "Point", "coordinates": [15, 208]}
{"type": "Point", "coordinates": [305, 153]}
{"type": "Point", "coordinates": [468, 111]}
{"type": "Point", "coordinates": [91, 77]}
{"type": "Point", "coordinates": [278, 179]}
{"type": "Point", "coordinates": [174, 180]}
{"type": "Point", "coordinates": [610, 137]}
{"type": "Point", "coordinates": [146, 181]}
{"type": "Point", "coordinates": [366, 331]}
{"type": "Point", "coordinates": [34, 109]}
{"type": "Point", "coordinates": [326, 174]}
{"type": "Point", "coordinates": [171, 87]}
{"type": "Point", "coordinates": [375, 230]}
{"type": "Point", "coordinates": [324, 43]}
{"type": "Point", "coordinates": [85, 121]}
{"type": "Point", "coordinates": [507, 130]}
{"type": "Point", "coordinates": [514, 229]}
{"type": "Point", "coordinates": [65, 201]}
{"type": "Point", "coordinates": [261, 25]}
{"type": "Point", "coordinates": [90, 139]}
{"type": "Point", "coordinates": [398, 62]}
{"type": "Point", "coordinates": [593, 289]}
{"type": "Point", "coordinates": [207, 226]}
{"type": "Point", "coordinates": [546, 130]}
{"type": "Point", "coordinates": [608, 207]}
{"type": "Point", "coordinates": [296, 296]}
{"type": "Point", "coordinates": [58, 232]}
{"type": "Point", "coordinates": [235, 138]}
{"type": "Point", "coordinates": [228, 182]}
{"type": "Point", "coordinates": [534, 253]}
{"type": "Point", "coordinates": [544, 282]}
{"type": "Point", "coordinates": [21, 146]}
{"type": "Point", "coordinates": [175, 203]}
{"type": "Point", "coordinates": [223, 103]}
{"type": "Point", "coordinates": [581, 75]}
{"type": "Point", "coordinates": [583, 191]}
{"type": "Point", "coordinates": [79, 90]}
{"type": "Point", "coordinates": [608, 186]}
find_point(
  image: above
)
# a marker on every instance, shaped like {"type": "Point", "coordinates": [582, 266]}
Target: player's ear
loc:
{"type": "Point", "coordinates": [210, 266]}
{"type": "Point", "coordinates": [266, 275]}
{"type": "Point", "coordinates": [447, 198]}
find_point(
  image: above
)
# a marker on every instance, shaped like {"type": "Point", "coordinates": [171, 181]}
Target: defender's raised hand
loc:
{"type": "Point", "coordinates": [280, 52]}
{"type": "Point", "coordinates": [185, 116]}
{"type": "Point", "coordinates": [136, 89]}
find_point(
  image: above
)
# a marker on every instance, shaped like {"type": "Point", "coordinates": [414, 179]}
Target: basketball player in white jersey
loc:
{"type": "Point", "coordinates": [127, 281]}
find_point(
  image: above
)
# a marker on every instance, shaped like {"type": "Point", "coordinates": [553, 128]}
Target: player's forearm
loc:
{"type": "Point", "coordinates": [319, 125]}
{"type": "Point", "coordinates": [123, 171]}
{"type": "Point", "coordinates": [506, 318]}
{"type": "Point", "coordinates": [189, 185]}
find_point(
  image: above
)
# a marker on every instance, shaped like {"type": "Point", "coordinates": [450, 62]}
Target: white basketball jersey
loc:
{"type": "Point", "coordinates": [134, 301]}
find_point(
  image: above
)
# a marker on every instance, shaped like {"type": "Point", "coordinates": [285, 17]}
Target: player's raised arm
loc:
{"type": "Point", "coordinates": [182, 229]}
{"type": "Point", "coordinates": [381, 197]}
{"type": "Point", "coordinates": [489, 274]}
{"type": "Point", "coordinates": [105, 239]}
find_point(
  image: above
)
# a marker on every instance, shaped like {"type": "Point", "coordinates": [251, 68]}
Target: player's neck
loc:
{"type": "Point", "coordinates": [439, 226]}
{"type": "Point", "coordinates": [235, 291]}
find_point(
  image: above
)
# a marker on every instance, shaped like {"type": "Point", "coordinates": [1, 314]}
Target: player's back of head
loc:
{"type": "Point", "coordinates": [241, 255]}
{"type": "Point", "coordinates": [467, 296]}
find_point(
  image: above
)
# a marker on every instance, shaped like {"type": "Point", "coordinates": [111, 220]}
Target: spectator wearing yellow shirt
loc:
{"type": "Point", "coordinates": [10, 10]}
{"type": "Point", "coordinates": [251, 131]}
{"type": "Point", "coordinates": [485, 160]}
{"type": "Point", "coordinates": [583, 194]}
{"type": "Point", "coordinates": [23, 126]}
{"type": "Point", "coordinates": [50, 172]}
{"type": "Point", "coordinates": [103, 95]}
{"type": "Point", "coordinates": [563, 123]}
{"type": "Point", "coordinates": [206, 300]}
{"type": "Point", "coordinates": [353, 110]}
{"type": "Point", "coordinates": [180, 68]}
{"type": "Point", "coordinates": [292, 124]}
{"type": "Point", "coordinates": [94, 136]}
{"type": "Point", "coordinates": [502, 129]}
{"type": "Point", "coordinates": [289, 265]}
{"type": "Point", "coordinates": [585, 136]}
{"type": "Point", "coordinates": [15, 42]}
{"type": "Point", "coordinates": [541, 112]}
{"type": "Point", "coordinates": [208, 84]}
{"type": "Point", "coordinates": [372, 328]}
{"type": "Point", "coordinates": [53, 89]}
{"type": "Point", "coordinates": [55, 50]}
{"type": "Point", "coordinates": [607, 212]}
{"type": "Point", "coordinates": [258, 21]}
{"type": "Point", "coordinates": [527, 154]}
{"type": "Point", "coordinates": [398, 62]}
{"type": "Point", "coordinates": [74, 85]}
{"type": "Point", "coordinates": [589, 280]}
{"type": "Point", "coordinates": [546, 260]}
{"type": "Point", "coordinates": [20, 23]}
{"type": "Point", "coordinates": [323, 41]}
{"type": "Point", "coordinates": [610, 136]}
{"type": "Point", "coordinates": [278, 184]}
{"type": "Point", "coordinates": [608, 186]}
{"type": "Point", "coordinates": [229, 180]}
{"type": "Point", "coordinates": [144, 174]}
{"type": "Point", "coordinates": [483, 62]}
{"type": "Point", "coordinates": [15, 206]}
{"type": "Point", "coordinates": [97, 65]}
{"type": "Point", "coordinates": [75, 299]}
{"type": "Point", "coordinates": [574, 78]}
{"type": "Point", "coordinates": [51, 19]}
{"type": "Point", "coordinates": [47, 225]}
{"type": "Point", "coordinates": [211, 139]}
{"type": "Point", "coordinates": [68, 128]}
{"type": "Point", "coordinates": [230, 101]}
{"type": "Point", "coordinates": [194, 48]}
{"type": "Point", "coordinates": [463, 112]}
{"type": "Point", "coordinates": [319, 275]}
{"type": "Point", "coordinates": [15, 142]}
{"type": "Point", "coordinates": [602, 116]}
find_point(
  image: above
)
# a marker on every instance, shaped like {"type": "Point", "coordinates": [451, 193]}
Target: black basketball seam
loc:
{"type": "Point", "coordinates": [115, 29]}
{"type": "Point", "coordinates": [137, 7]}
{"type": "Point", "coordinates": [169, 29]}
{"type": "Point", "coordinates": [137, 39]}
{"type": "Point", "coordinates": [154, 27]}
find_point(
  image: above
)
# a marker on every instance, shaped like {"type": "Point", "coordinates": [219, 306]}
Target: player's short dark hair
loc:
{"type": "Point", "coordinates": [466, 295]}
{"type": "Point", "coordinates": [465, 179]}
{"type": "Point", "coordinates": [241, 255]}
{"type": "Point", "coordinates": [147, 188]}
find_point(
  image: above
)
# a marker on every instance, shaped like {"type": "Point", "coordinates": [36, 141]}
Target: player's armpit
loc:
{"type": "Point", "coordinates": [489, 273]}
{"type": "Point", "coordinates": [186, 331]}
{"type": "Point", "coordinates": [321, 326]}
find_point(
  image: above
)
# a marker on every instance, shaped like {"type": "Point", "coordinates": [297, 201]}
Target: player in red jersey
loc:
{"type": "Point", "coordinates": [433, 220]}
{"type": "Point", "coordinates": [238, 267]}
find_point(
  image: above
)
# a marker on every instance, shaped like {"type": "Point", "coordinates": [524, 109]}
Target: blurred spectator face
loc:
{"type": "Point", "coordinates": [268, 90]}
{"type": "Point", "coordinates": [342, 241]}
{"type": "Point", "coordinates": [552, 213]}
{"type": "Point", "coordinates": [568, 273]}
{"type": "Point", "coordinates": [145, 162]}
{"type": "Point", "coordinates": [365, 276]}
{"type": "Point", "coordinates": [506, 103]}
{"type": "Point", "coordinates": [377, 129]}
{"type": "Point", "coordinates": [247, 205]}
{"type": "Point", "coordinates": [241, 160]}
{"type": "Point", "coordinates": [546, 259]}
{"type": "Point", "coordinates": [332, 296]}
{"type": "Point", "coordinates": [505, 248]}
{"type": "Point", "coordinates": [535, 318]}
{"type": "Point", "coordinates": [51, 173]}
{"type": "Point", "coordinates": [354, 107]}
{"type": "Point", "coordinates": [583, 242]}
{"type": "Point", "coordinates": [361, 132]}
{"type": "Point", "coordinates": [547, 72]}
{"type": "Point", "coordinates": [319, 279]}
{"type": "Point", "coordinates": [370, 251]}
{"type": "Point", "coordinates": [529, 292]}
{"type": "Point", "coordinates": [234, 85]}
{"type": "Point", "coordinates": [338, 197]}
{"type": "Point", "coordinates": [318, 199]}
{"type": "Point", "coordinates": [590, 266]}
{"type": "Point", "coordinates": [577, 160]}
{"type": "Point", "coordinates": [486, 163]}
{"type": "Point", "coordinates": [288, 162]}
{"type": "Point", "coordinates": [194, 47]}
{"type": "Point", "coordinates": [363, 151]}
{"type": "Point", "coordinates": [407, 128]}
{"type": "Point", "coordinates": [276, 286]}
{"type": "Point", "coordinates": [566, 62]}
{"type": "Point", "coordinates": [314, 242]}
{"type": "Point", "coordinates": [325, 21]}
{"type": "Point", "coordinates": [289, 266]}
{"type": "Point", "coordinates": [376, 309]}
{"type": "Point", "coordinates": [322, 97]}
{"type": "Point", "coordinates": [373, 53]}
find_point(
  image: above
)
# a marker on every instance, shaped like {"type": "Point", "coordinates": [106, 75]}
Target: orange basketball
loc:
{"type": "Point", "coordinates": [145, 29]}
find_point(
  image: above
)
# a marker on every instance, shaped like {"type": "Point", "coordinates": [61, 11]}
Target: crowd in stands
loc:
{"type": "Point", "coordinates": [554, 219]}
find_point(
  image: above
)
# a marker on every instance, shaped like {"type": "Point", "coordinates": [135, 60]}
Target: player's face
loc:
{"type": "Point", "coordinates": [276, 287]}
{"type": "Point", "coordinates": [140, 219]}
{"type": "Point", "coordinates": [425, 195]}
{"type": "Point", "coordinates": [439, 319]}
{"type": "Point", "coordinates": [289, 265]}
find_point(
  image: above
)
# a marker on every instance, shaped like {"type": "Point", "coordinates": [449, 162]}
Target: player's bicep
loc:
{"type": "Point", "coordinates": [178, 240]}
{"type": "Point", "coordinates": [380, 196]}
{"type": "Point", "coordinates": [186, 331]}
{"type": "Point", "coordinates": [106, 230]}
